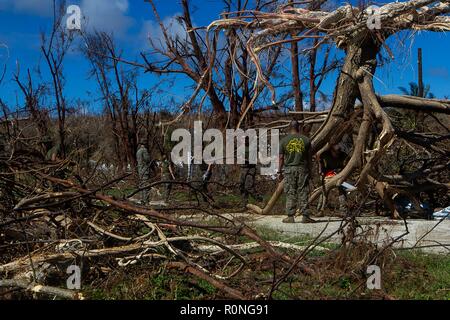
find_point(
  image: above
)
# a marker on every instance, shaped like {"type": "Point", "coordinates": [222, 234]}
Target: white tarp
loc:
{"type": "Point", "coordinates": [443, 214]}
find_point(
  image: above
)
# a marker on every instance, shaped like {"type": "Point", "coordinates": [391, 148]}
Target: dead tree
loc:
{"type": "Point", "coordinates": [296, 85]}
{"type": "Point", "coordinates": [119, 92]}
{"type": "Point", "coordinates": [350, 29]}
{"type": "Point", "coordinates": [33, 95]}
{"type": "Point", "coordinates": [195, 54]}
{"type": "Point", "coordinates": [55, 48]}
{"type": "Point", "coordinates": [294, 51]}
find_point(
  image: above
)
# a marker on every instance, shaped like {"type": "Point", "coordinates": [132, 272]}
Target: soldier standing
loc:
{"type": "Point", "coordinates": [331, 162]}
{"type": "Point", "coordinates": [247, 178]}
{"type": "Point", "coordinates": [167, 166]}
{"type": "Point", "coordinates": [167, 174]}
{"type": "Point", "coordinates": [295, 158]}
{"type": "Point", "coordinates": [144, 166]}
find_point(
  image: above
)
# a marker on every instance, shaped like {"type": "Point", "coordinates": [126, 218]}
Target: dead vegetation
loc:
{"type": "Point", "coordinates": [64, 209]}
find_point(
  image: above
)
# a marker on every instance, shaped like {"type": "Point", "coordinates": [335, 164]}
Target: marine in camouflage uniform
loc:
{"type": "Point", "coordinates": [295, 156]}
{"type": "Point", "coordinates": [247, 183]}
{"type": "Point", "coordinates": [167, 175]}
{"type": "Point", "coordinates": [167, 167]}
{"type": "Point", "coordinates": [332, 162]}
{"type": "Point", "coordinates": [144, 167]}
{"type": "Point", "coordinates": [247, 179]}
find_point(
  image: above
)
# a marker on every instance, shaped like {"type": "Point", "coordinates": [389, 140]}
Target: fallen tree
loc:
{"type": "Point", "coordinates": [350, 29]}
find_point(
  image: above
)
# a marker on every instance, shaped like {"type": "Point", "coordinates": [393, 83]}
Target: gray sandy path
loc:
{"type": "Point", "coordinates": [429, 236]}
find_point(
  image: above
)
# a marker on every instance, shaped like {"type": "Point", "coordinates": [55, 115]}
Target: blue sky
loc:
{"type": "Point", "coordinates": [132, 20]}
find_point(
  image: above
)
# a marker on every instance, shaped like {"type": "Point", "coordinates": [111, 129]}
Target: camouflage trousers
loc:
{"type": "Point", "coordinates": [322, 204]}
{"type": "Point", "coordinates": [247, 183]}
{"type": "Point", "coordinates": [167, 187]}
{"type": "Point", "coordinates": [296, 188]}
{"type": "Point", "coordinates": [144, 181]}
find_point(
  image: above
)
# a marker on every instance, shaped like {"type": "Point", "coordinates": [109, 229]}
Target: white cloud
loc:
{"type": "Point", "coordinates": [35, 7]}
{"type": "Point", "coordinates": [107, 15]}
{"type": "Point", "coordinates": [102, 15]}
{"type": "Point", "coordinates": [122, 5]}
{"type": "Point", "coordinates": [152, 30]}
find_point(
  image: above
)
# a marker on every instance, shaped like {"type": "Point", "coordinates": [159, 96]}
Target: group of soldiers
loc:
{"type": "Point", "coordinates": [198, 177]}
{"type": "Point", "coordinates": [295, 167]}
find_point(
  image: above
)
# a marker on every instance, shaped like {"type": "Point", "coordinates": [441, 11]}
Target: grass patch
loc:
{"type": "Point", "coordinates": [408, 275]}
{"type": "Point", "coordinates": [156, 285]}
{"type": "Point", "coordinates": [301, 240]}
{"type": "Point", "coordinates": [421, 276]}
{"type": "Point", "coordinates": [411, 276]}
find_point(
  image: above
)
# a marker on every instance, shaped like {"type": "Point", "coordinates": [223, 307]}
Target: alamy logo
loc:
{"type": "Point", "coordinates": [74, 19]}
{"type": "Point", "coordinates": [74, 280]}
{"type": "Point", "coordinates": [237, 147]}
{"type": "Point", "coordinates": [374, 279]}
{"type": "Point", "coordinates": [374, 18]}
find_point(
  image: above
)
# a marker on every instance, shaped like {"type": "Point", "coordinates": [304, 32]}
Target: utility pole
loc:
{"type": "Point", "coordinates": [298, 94]}
{"type": "Point", "coordinates": [421, 93]}
{"type": "Point", "coordinates": [420, 70]}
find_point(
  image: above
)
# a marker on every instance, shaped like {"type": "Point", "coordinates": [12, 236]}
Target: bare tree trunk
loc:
{"type": "Point", "coordinates": [298, 94]}
{"type": "Point", "coordinates": [312, 78]}
{"type": "Point", "coordinates": [421, 93]}
{"type": "Point", "coordinates": [346, 92]}
{"type": "Point", "coordinates": [420, 71]}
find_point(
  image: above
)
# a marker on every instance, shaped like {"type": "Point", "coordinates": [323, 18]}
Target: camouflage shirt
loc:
{"type": "Point", "coordinates": [143, 161]}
